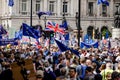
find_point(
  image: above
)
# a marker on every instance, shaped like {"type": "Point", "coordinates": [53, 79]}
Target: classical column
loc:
{"type": "Point", "coordinates": [111, 8]}
{"type": "Point", "coordinates": [84, 9]}
{"type": "Point", "coordinates": [45, 5]}
{"type": "Point", "coordinates": [58, 6]}
{"type": "Point", "coordinates": [17, 8]}
{"type": "Point", "coordinates": [98, 10]}
{"type": "Point", "coordinates": [72, 4]}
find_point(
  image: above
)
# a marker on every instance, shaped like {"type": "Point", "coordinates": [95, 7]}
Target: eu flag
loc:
{"type": "Point", "coordinates": [63, 48]}
{"type": "Point", "coordinates": [29, 31]}
{"type": "Point", "coordinates": [66, 36]}
{"type": "Point", "coordinates": [75, 52]}
{"type": "Point", "coordinates": [107, 35]}
{"type": "Point", "coordinates": [11, 3]}
{"type": "Point", "coordinates": [103, 2]}
{"type": "Point", "coordinates": [18, 35]}
{"type": "Point", "coordinates": [43, 13]}
{"type": "Point", "coordinates": [86, 38]}
{"type": "Point", "coordinates": [64, 24]}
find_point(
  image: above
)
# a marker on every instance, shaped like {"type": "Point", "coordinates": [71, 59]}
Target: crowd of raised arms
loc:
{"type": "Point", "coordinates": [93, 63]}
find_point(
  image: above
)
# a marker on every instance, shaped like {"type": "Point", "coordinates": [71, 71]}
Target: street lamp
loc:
{"type": "Point", "coordinates": [117, 16]}
{"type": "Point", "coordinates": [63, 12]}
{"type": "Point", "coordinates": [45, 19]}
{"type": "Point", "coordinates": [76, 16]}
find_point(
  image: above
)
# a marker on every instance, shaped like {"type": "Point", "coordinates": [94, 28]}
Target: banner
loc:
{"type": "Point", "coordinates": [83, 44]}
{"type": "Point", "coordinates": [4, 42]}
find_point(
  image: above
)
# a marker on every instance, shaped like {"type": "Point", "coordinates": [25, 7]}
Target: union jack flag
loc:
{"type": "Point", "coordinates": [55, 27]}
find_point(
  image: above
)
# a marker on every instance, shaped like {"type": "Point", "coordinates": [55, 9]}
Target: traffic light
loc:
{"type": "Point", "coordinates": [51, 34]}
{"type": "Point", "coordinates": [48, 33]}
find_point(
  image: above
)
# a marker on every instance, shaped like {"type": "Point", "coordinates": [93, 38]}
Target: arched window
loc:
{"type": "Point", "coordinates": [105, 32]}
{"type": "Point", "coordinates": [90, 31]}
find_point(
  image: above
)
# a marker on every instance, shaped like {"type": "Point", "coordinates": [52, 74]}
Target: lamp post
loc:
{"type": "Point", "coordinates": [45, 19]}
{"type": "Point", "coordinates": [64, 8]}
{"type": "Point", "coordinates": [76, 16]}
{"type": "Point", "coordinates": [63, 11]}
{"type": "Point", "coordinates": [117, 17]}
{"type": "Point", "coordinates": [79, 25]}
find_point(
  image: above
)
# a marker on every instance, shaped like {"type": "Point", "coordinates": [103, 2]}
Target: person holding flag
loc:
{"type": "Point", "coordinates": [43, 13]}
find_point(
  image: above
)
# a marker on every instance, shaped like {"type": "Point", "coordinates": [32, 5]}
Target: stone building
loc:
{"type": "Point", "coordinates": [93, 17]}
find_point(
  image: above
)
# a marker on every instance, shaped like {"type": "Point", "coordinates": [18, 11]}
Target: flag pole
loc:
{"type": "Point", "coordinates": [79, 27]}
{"type": "Point", "coordinates": [30, 16]}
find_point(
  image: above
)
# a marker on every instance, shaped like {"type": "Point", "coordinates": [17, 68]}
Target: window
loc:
{"type": "Point", "coordinates": [117, 8]}
{"type": "Point", "coordinates": [37, 5]}
{"type": "Point", "coordinates": [24, 7]}
{"type": "Point", "coordinates": [90, 8]}
{"type": "Point", "coordinates": [65, 7]}
{"type": "Point", "coordinates": [104, 10]}
{"type": "Point", "coordinates": [51, 6]}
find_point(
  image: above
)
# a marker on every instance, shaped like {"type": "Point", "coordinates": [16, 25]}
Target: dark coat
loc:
{"type": "Point", "coordinates": [6, 75]}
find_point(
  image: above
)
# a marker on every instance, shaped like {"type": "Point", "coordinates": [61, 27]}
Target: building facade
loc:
{"type": "Point", "coordinates": [93, 17]}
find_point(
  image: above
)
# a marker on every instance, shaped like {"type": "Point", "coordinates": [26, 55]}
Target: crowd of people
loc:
{"type": "Point", "coordinates": [93, 63]}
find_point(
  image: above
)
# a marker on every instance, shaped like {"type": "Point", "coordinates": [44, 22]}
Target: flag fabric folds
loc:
{"type": "Point", "coordinates": [106, 35]}
{"type": "Point", "coordinates": [63, 48]}
{"type": "Point", "coordinates": [18, 35]}
{"type": "Point", "coordinates": [109, 44]}
{"type": "Point", "coordinates": [83, 44]}
{"type": "Point", "coordinates": [0, 36]}
{"type": "Point", "coordinates": [103, 2]}
{"type": "Point", "coordinates": [29, 31]}
{"type": "Point", "coordinates": [55, 27]}
{"type": "Point", "coordinates": [43, 13]}
{"type": "Point", "coordinates": [66, 36]}
{"type": "Point", "coordinates": [75, 52]}
{"type": "Point", "coordinates": [2, 30]}
{"type": "Point", "coordinates": [86, 38]}
{"type": "Point", "coordinates": [11, 3]}
{"type": "Point", "coordinates": [64, 25]}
